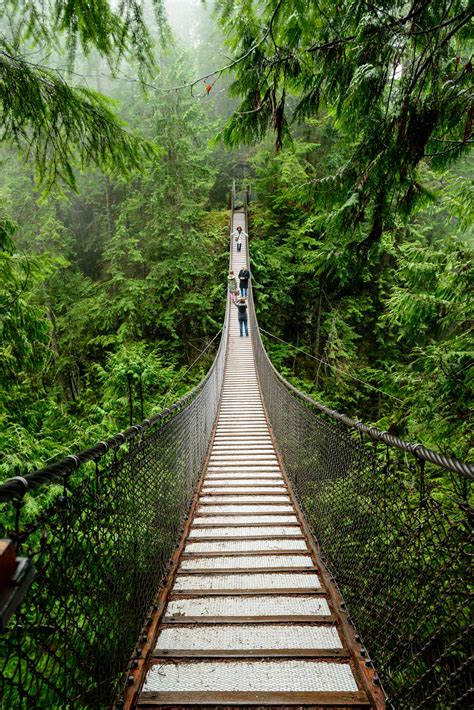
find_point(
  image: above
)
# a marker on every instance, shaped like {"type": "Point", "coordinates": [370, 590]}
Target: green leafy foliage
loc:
{"type": "Point", "coordinates": [56, 125]}
{"type": "Point", "coordinates": [394, 77]}
{"type": "Point", "coordinates": [387, 336]}
{"type": "Point", "coordinates": [112, 293]}
{"type": "Point", "coordinates": [363, 217]}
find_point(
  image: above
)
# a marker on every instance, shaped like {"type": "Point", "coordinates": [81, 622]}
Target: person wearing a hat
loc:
{"type": "Point", "coordinates": [232, 285]}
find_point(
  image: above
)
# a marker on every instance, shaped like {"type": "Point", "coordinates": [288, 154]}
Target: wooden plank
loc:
{"type": "Point", "coordinates": [246, 448]}
{"type": "Point", "coordinates": [220, 487]}
{"type": "Point", "coordinates": [229, 418]}
{"type": "Point", "coordinates": [224, 492]}
{"type": "Point", "coordinates": [226, 483]}
{"type": "Point", "coordinates": [323, 653]}
{"type": "Point", "coordinates": [291, 619]}
{"type": "Point", "coordinates": [318, 699]}
{"type": "Point", "coordinates": [245, 502]}
{"type": "Point", "coordinates": [228, 426]}
{"type": "Point", "coordinates": [248, 538]}
{"type": "Point", "coordinates": [245, 553]}
{"type": "Point", "coordinates": [229, 434]}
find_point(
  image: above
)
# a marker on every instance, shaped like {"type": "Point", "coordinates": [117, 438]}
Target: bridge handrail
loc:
{"type": "Point", "coordinates": [100, 528]}
{"type": "Point", "coordinates": [421, 452]}
{"type": "Point", "coordinates": [418, 450]}
{"type": "Point", "coordinates": [18, 486]}
{"type": "Point", "coordinates": [393, 523]}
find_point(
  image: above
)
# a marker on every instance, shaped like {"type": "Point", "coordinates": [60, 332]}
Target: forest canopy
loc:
{"type": "Point", "coordinates": [50, 120]}
{"type": "Point", "coordinates": [351, 122]}
{"type": "Point", "coordinates": [364, 212]}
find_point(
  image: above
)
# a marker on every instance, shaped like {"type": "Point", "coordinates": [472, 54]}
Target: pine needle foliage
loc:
{"type": "Point", "coordinates": [58, 126]}
{"type": "Point", "coordinates": [395, 75]}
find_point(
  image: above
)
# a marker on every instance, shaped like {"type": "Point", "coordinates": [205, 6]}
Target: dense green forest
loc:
{"type": "Point", "coordinates": [111, 290]}
{"type": "Point", "coordinates": [352, 124]}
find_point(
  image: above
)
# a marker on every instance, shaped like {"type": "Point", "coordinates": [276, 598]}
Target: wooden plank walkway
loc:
{"type": "Point", "coordinates": [249, 620]}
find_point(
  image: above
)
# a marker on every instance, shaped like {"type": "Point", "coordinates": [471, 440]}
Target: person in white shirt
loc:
{"type": "Point", "coordinates": [238, 234]}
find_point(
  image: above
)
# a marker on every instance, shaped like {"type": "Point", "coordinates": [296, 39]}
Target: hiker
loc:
{"type": "Point", "coordinates": [238, 234]}
{"type": "Point", "coordinates": [242, 315]}
{"type": "Point", "coordinates": [244, 275]}
{"type": "Point", "coordinates": [232, 285]}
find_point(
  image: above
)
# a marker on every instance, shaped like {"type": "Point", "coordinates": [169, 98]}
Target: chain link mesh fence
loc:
{"type": "Point", "coordinates": [392, 520]}
{"type": "Point", "coordinates": [395, 532]}
{"type": "Point", "coordinates": [100, 528]}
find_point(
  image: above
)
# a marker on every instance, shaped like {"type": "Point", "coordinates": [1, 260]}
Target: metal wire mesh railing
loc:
{"type": "Point", "coordinates": [393, 522]}
{"type": "Point", "coordinates": [100, 528]}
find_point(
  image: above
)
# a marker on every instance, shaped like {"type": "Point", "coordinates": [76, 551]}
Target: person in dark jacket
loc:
{"type": "Point", "coordinates": [242, 315]}
{"type": "Point", "coordinates": [244, 275]}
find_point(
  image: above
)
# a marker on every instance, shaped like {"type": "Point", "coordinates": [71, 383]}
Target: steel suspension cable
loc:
{"type": "Point", "coordinates": [325, 362]}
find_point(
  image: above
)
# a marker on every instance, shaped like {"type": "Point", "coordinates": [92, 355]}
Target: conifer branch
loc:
{"type": "Point", "coordinates": [218, 72]}
{"type": "Point", "coordinates": [60, 126]}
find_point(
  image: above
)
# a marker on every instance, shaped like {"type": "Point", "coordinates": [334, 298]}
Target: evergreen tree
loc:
{"type": "Point", "coordinates": [57, 124]}
{"type": "Point", "coordinates": [395, 76]}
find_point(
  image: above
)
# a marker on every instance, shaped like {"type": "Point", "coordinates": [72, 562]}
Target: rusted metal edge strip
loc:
{"type": "Point", "coordinates": [282, 591]}
{"type": "Point", "coordinates": [246, 553]}
{"type": "Point", "coordinates": [322, 699]}
{"type": "Point", "coordinates": [218, 487]}
{"type": "Point", "coordinates": [247, 525]}
{"type": "Point", "coordinates": [243, 513]}
{"type": "Point", "coordinates": [311, 619]}
{"type": "Point", "coordinates": [323, 653]}
{"type": "Point", "coordinates": [243, 570]}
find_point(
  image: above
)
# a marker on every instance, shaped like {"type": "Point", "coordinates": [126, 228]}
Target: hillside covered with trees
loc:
{"type": "Point", "coordinates": [352, 123]}
{"type": "Point", "coordinates": [148, 486]}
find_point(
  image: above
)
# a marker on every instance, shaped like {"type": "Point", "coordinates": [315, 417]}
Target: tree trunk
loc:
{"type": "Point", "coordinates": [108, 205]}
{"type": "Point", "coordinates": [55, 347]}
{"type": "Point", "coordinates": [319, 304]}
{"type": "Point", "coordinates": [130, 398]}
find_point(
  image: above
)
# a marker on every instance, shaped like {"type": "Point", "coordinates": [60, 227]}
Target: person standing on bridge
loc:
{"type": "Point", "coordinates": [244, 275]}
{"type": "Point", "coordinates": [242, 315]}
{"type": "Point", "coordinates": [238, 234]}
{"type": "Point", "coordinates": [232, 285]}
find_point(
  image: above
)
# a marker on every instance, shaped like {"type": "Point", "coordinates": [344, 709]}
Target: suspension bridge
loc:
{"type": "Point", "coordinates": [247, 547]}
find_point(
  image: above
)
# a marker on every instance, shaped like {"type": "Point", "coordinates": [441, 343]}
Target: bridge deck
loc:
{"type": "Point", "coordinates": [248, 620]}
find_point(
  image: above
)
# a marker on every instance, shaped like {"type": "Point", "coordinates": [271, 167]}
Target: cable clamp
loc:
{"type": "Point", "coordinates": [75, 459]}
{"type": "Point", "coordinates": [21, 480]}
